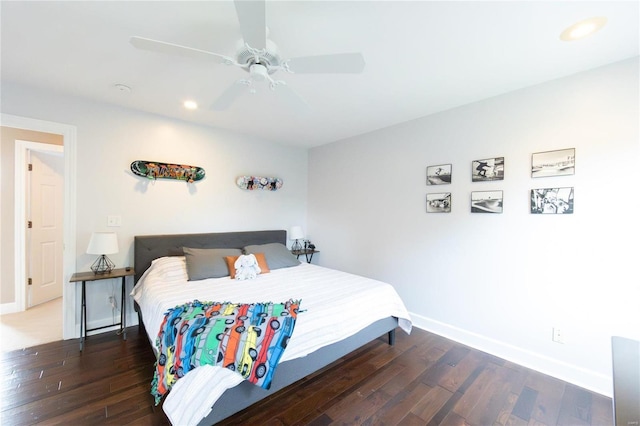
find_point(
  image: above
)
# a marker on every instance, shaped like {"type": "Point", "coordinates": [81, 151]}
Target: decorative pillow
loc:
{"type": "Point", "coordinates": [169, 268]}
{"type": "Point", "coordinates": [262, 263]}
{"type": "Point", "coordinates": [207, 263]}
{"type": "Point", "coordinates": [277, 255]}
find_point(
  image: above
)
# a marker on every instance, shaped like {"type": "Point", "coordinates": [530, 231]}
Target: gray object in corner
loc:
{"type": "Point", "coordinates": [626, 381]}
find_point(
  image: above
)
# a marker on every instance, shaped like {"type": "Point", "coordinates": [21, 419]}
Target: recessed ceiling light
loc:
{"type": "Point", "coordinates": [190, 105]}
{"type": "Point", "coordinates": [583, 29]}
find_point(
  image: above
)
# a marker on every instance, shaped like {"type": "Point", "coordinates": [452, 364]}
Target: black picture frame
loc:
{"type": "Point", "coordinates": [488, 169]}
{"type": "Point", "coordinates": [439, 174]}
{"type": "Point", "coordinates": [487, 201]}
{"type": "Point", "coordinates": [439, 202]}
{"type": "Point", "coordinates": [561, 162]}
{"type": "Point", "coordinates": [552, 200]}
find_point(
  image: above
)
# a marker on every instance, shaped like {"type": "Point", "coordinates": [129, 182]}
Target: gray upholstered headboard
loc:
{"type": "Point", "coordinates": [150, 247]}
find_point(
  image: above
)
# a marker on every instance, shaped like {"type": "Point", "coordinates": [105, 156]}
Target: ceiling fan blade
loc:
{"type": "Point", "coordinates": [251, 15]}
{"type": "Point", "coordinates": [291, 97]}
{"type": "Point", "coordinates": [175, 49]}
{"type": "Point", "coordinates": [339, 63]}
{"type": "Point", "coordinates": [230, 95]}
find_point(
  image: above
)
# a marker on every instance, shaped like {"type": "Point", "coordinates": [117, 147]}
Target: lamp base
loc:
{"type": "Point", "coordinates": [296, 245]}
{"type": "Point", "coordinates": [102, 265]}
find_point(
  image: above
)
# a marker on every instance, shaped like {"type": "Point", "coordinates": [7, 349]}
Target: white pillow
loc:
{"type": "Point", "coordinates": [168, 268]}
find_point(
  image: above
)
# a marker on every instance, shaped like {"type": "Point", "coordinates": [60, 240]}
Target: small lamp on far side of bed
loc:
{"type": "Point", "coordinates": [296, 234]}
{"type": "Point", "coordinates": [103, 243]}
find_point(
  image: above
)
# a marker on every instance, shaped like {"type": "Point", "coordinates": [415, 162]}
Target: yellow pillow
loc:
{"type": "Point", "coordinates": [262, 263]}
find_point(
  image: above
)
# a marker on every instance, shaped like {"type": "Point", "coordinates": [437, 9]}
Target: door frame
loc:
{"type": "Point", "coordinates": [22, 196]}
{"type": "Point", "coordinates": [68, 133]}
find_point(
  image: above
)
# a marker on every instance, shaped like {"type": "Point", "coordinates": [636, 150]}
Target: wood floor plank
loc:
{"type": "Point", "coordinates": [456, 376]}
{"type": "Point", "coordinates": [394, 410]}
{"type": "Point", "coordinates": [600, 410]}
{"type": "Point", "coordinates": [411, 420]}
{"type": "Point", "coordinates": [431, 403]}
{"type": "Point", "coordinates": [576, 407]}
{"type": "Point", "coordinates": [447, 409]}
{"type": "Point", "coordinates": [415, 367]}
{"type": "Point", "coordinates": [473, 394]}
{"type": "Point", "coordinates": [505, 412]}
{"type": "Point", "coordinates": [525, 403]}
{"type": "Point", "coordinates": [488, 406]}
{"type": "Point", "coordinates": [454, 419]}
{"type": "Point", "coordinates": [319, 399]}
{"type": "Point", "coordinates": [424, 379]}
{"type": "Point", "coordinates": [550, 392]}
{"type": "Point", "coordinates": [359, 399]}
{"type": "Point", "coordinates": [312, 394]}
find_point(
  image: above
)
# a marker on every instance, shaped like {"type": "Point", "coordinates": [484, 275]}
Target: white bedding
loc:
{"type": "Point", "coordinates": [326, 316]}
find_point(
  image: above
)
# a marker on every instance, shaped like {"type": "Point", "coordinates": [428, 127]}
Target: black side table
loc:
{"type": "Point", "coordinates": [308, 254]}
{"type": "Point", "coordinates": [90, 276]}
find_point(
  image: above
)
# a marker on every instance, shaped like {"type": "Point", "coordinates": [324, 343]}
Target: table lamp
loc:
{"type": "Point", "coordinates": [103, 243]}
{"type": "Point", "coordinates": [296, 235]}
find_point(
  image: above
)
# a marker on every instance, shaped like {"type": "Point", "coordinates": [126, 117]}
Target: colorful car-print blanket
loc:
{"type": "Point", "coordinates": [246, 338]}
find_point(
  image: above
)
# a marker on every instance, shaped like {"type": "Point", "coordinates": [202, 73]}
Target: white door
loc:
{"type": "Point", "coordinates": [44, 242]}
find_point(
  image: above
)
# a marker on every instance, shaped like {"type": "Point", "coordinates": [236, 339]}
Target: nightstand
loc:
{"type": "Point", "coordinates": [308, 253]}
{"type": "Point", "coordinates": [85, 277]}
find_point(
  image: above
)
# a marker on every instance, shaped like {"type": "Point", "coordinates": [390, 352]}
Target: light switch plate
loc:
{"type": "Point", "coordinates": [114, 221]}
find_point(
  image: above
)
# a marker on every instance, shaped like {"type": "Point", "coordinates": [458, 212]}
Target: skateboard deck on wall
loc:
{"type": "Point", "coordinates": [157, 170]}
{"type": "Point", "coordinates": [258, 182]}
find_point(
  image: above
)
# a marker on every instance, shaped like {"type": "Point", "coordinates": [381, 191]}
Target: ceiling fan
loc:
{"type": "Point", "coordinates": [259, 56]}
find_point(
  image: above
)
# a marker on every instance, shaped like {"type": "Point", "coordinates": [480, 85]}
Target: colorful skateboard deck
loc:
{"type": "Point", "coordinates": [258, 182]}
{"type": "Point", "coordinates": [157, 170]}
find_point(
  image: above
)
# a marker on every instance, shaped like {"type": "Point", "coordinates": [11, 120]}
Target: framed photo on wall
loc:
{"type": "Point", "coordinates": [552, 201]}
{"type": "Point", "coordinates": [487, 169]}
{"type": "Point", "coordinates": [553, 163]}
{"type": "Point", "coordinates": [486, 202]}
{"type": "Point", "coordinates": [439, 175]}
{"type": "Point", "coordinates": [439, 203]}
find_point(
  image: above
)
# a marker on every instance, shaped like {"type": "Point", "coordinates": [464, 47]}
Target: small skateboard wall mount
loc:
{"type": "Point", "coordinates": [156, 170]}
{"type": "Point", "coordinates": [251, 183]}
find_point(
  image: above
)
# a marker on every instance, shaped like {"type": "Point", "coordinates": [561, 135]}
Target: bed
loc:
{"type": "Point", "coordinates": [304, 358]}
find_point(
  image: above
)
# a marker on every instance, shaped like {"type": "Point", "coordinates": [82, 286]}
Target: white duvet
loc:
{"type": "Point", "coordinates": [327, 316]}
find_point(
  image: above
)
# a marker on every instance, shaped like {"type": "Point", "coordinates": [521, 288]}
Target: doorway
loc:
{"type": "Point", "coordinates": [71, 328]}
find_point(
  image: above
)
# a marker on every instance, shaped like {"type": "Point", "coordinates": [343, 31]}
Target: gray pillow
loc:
{"type": "Point", "coordinates": [277, 255]}
{"type": "Point", "coordinates": [208, 263]}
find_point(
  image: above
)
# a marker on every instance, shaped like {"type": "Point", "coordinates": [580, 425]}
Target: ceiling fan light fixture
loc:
{"type": "Point", "coordinates": [258, 72]}
{"type": "Point", "coordinates": [583, 29]}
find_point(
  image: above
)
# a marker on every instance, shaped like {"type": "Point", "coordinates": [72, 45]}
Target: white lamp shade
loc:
{"type": "Point", "coordinates": [103, 243]}
{"type": "Point", "coordinates": [295, 233]}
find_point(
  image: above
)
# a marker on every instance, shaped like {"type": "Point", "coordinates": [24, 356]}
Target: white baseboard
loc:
{"type": "Point", "coordinates": [8, 308]}
{"type": "Point", "coordinates": [586, 379]}
{"type": "Point", "coordinates": [106, 322]}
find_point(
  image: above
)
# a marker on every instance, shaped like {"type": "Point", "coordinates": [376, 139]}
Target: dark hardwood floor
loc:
{"type": "Point", "coordinates": [423, 380]}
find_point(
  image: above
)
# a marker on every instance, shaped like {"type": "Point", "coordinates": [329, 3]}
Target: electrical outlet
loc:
{"type": "Point", "coordinates": [558, 335]}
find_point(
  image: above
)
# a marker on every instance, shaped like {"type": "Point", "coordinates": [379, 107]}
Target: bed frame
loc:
{"type": "Point", "coordinates": [150, 247]}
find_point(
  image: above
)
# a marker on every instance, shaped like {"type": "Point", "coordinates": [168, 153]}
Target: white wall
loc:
{"type": "Point", "coordinates": [499, 282]}
{"type": "Point", "coordinates": [110, 138]}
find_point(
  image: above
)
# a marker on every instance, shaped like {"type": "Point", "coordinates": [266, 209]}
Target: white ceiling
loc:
{"type": "Point", "coordinates": [421, 56]}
